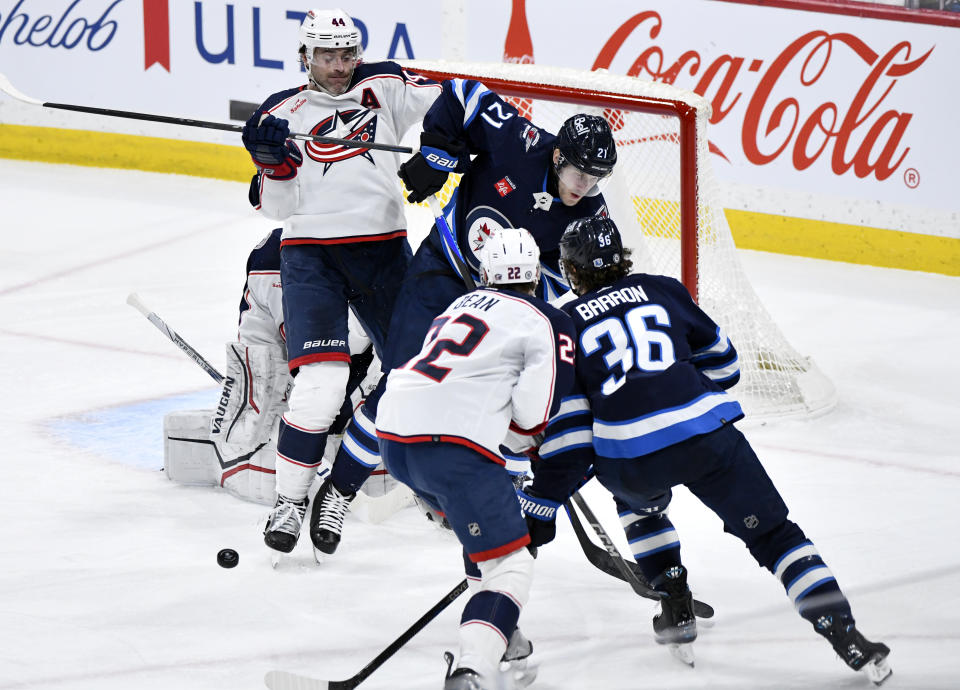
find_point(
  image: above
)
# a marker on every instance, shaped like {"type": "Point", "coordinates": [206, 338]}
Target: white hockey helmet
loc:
{"type": "Point", "coordinates": [329, 29]}
{"type": "Point", "coordinates": [509, 255]}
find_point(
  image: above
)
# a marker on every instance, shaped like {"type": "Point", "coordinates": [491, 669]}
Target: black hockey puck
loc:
{"type": "Point", "coordinates": [228, 558]}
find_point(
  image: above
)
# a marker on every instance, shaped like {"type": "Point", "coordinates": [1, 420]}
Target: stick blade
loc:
{"type": "Point", "coordinates": [11, 90]}
{"type": "Point", "coordinates": [281, 680]}
{"type": "Point", "coordinates": [133, 299]}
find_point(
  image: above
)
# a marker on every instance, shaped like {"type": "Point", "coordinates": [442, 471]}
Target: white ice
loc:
{"type": "Point", "coordinates": [108, 576]}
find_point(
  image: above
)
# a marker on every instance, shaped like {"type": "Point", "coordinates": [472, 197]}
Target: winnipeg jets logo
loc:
{"type": "Point", "coordinates": [355, 125]}
{"type": "Point", "coordinates": [481, 222]}
{"type": "Point", "coordinates": [480, 237]}
{"type": "Point", "coordinates": [530, 136]}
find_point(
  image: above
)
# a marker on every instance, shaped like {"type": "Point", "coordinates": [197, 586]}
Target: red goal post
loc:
{"type": "Point", "coordinates": [665, 200]}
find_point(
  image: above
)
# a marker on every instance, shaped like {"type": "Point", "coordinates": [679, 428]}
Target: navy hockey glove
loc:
{"type": "Point", "coordinates": [426, 172]}
{"type": "Point", "coordinates": [541, 516]}
{"type": "Point", "coordinates": [265, 137]}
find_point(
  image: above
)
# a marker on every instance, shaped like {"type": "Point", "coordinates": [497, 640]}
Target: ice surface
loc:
{"type": "Point", "coordinates": [109, 577]}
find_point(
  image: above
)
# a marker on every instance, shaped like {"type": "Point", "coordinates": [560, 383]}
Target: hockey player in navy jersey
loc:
{"type": "Point", "coordinates": [651, 413]}
{"type": "Point", "coordinates": [494, 368]}
{"type": "Point", "coordinates": [344, 239]}
{"type": "Point", "coordinates": [514, 175]}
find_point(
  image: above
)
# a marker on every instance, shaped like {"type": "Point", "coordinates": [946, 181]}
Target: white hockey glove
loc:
{"type": "Point", "coordinates": [254, 395]}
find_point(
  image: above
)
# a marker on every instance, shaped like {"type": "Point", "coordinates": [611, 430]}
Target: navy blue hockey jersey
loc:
{"type": "Point", "coordinates": [506, 183]}
{"type": "Point", "coordinates": [652, 370]}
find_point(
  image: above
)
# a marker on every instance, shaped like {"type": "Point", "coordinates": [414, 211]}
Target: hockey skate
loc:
{"type": "Point", "coordinates": [857, 652]}
{"type": "Point", "coordinates": [283, 526]}
{"type": "Point", "coordinates": [675, 625]}
{"type": "Point", "coordinates": [326, 518]}
{"type": "Point", "coordinates": [465, 678]}
{"type": "Point", "coordinates": [516, 660]}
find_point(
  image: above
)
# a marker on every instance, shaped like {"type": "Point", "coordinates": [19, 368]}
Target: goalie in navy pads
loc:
{"type": "Point", "coordinates": [514, 175]}
{"type": "Point", "coordinates": [651, 413]}
{"type": "Point", "coordinates": [494, 367]}
{"type": "Point", "coordinates": [344, 240]}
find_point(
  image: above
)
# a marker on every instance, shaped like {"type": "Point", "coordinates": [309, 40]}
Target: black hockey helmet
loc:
{"type": "Point", "coordinates": [586, 142]}
{"type": "Point", "coordinates": [591, 243]}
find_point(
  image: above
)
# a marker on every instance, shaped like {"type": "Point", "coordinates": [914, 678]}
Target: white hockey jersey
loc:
{"type": "Point", "coordinates": [348, 194]}
{"type": "Point", "coordinates": [494, 360]}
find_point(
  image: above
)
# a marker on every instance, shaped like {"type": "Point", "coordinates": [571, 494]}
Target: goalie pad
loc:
{"type": "Point", "coordinates": [191, 458]}
{"type": "Point", "coordinates": [253, 397]}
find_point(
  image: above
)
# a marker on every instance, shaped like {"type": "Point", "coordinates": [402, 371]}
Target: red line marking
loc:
{"type": "Point", "coordinates": [100, 262]}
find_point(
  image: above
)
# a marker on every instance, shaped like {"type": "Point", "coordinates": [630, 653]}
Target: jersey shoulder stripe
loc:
{"type": "Point", "coordinates": [266, 255]}
{"type": "Point", "coordinates": [279, 97]}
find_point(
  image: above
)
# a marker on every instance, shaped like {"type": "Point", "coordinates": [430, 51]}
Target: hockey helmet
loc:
{"type": "Point", "coordinates": [591, 243]}
{"type": "Point", "coordinates": [509, 255]}
{"type": "Point", "coordinates": [329, 29]}
{"type": "Point", "coordinates": [586, 142]}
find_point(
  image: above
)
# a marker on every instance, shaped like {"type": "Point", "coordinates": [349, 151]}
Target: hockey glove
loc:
{"type": "Point", "coordinates": [265, 137]}
{"type": "Point", "coordinates": [541, 516]}
{"type": "Point", "coordinates": [426, 172]}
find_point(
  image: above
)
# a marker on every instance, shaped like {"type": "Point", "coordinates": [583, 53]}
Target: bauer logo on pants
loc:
{"type": "Point", "coordinates": [328, 342]}
{"type": "Point", "coordinates": [474, 529]}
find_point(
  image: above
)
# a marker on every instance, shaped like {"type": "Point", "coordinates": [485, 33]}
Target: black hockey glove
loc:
{"type": "Point", "coordinates": [541, 516]}
{"type": "Point", "coordinates": [427, 170]}
{"type": "Point", "coordinates": [265, 137]}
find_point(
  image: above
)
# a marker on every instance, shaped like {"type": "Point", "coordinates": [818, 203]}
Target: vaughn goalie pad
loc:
{"type": "Point", "coordinates": [191, 458]}
{"type": "Point", "coordinates": [253, 397]}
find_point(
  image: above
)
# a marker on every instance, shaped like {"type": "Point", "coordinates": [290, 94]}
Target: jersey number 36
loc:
{"type": "Point", "coordinates": [634, 344]}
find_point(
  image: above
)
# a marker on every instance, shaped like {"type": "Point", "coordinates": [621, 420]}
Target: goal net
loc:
{"type": "Point", "coordinates": [663, 197]}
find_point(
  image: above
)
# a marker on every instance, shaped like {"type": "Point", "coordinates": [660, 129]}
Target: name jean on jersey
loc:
{"type": "Point", "coordinates": [477, 300]}
{"type": "Point", "coordinates": [608, 300]}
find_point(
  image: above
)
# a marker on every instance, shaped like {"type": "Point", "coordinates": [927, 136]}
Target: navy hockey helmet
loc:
{"type": "Point", "coordinates": [591, 243]}
{"type": "Point", "coordinates": [586, 142]}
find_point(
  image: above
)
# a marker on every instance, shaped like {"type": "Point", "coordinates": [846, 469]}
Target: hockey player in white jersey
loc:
{"type": "Point", "coordinates": [492, 370]}
{"type": "Point", "coordinates": [344, 238]}
{"type": "Point", "coordinates": [234, 446]}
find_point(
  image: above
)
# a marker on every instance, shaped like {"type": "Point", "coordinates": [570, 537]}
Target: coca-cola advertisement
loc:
{"type": "Point", "coordinates": [836, 116]}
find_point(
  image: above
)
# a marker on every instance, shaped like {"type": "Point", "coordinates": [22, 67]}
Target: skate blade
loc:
{"type": "Point", "coordinates": [319, 556]}
{"type": "Point", "coordinates": [878, 670]}
{"type": "Point", "coordinates": [521, 672]}
{"type": "Point", "coordinates": [683, 652]}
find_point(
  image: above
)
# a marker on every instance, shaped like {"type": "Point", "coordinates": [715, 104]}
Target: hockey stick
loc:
{"type": "Point", "coordinates": [11, 90]}
{"type": "Point", "coordinates": [376, 509]}
{"type": "Point", "coordinates": [437, 210]}
{"type": "Point", "coordinates": [134, 301]}
{"type": "Point", "coordinates": [281, 680]}
{"type": "Point", "coordinates": [609, 560]}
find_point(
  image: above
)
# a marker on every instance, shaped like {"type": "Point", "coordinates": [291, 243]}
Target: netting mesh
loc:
{"type": "Point", "coordinates": [644, 199]}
